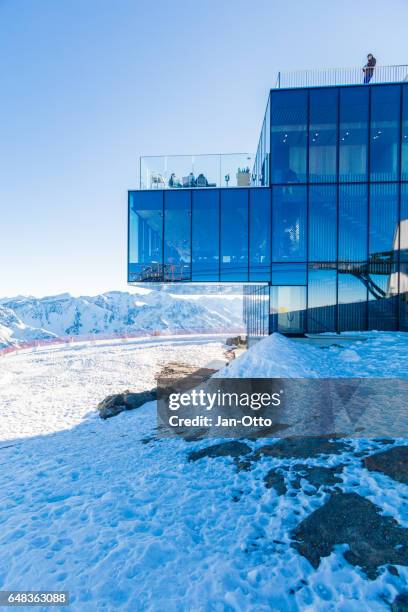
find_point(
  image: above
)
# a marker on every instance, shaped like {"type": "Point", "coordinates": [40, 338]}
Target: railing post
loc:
{"type": "Point", "coordinates": [279, 79]}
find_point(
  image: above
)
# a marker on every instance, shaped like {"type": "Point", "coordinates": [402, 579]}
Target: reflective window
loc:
{"type": "Point", "coordinates": [353, 134]}
{"type": "Point", "coordinates": [404, 144]}
{"type": "Point", "coordinates": [404, 223]}
{"type": "Point", "coordinates": [323, 135]}
{"type": "Point", "coordinates": [383, 222]}
{"type": "Point", "coordinates": [205, 235]}
{"type": "Point", "coordinates": [403, 298]}
{"type": "Point", "coordinates": [289, 221]}
{"type": "Point", "coordinates": [145, 235]}
{"type": "Point", "coordinates": [382, 296]}
{"type": "Point", "coordinates": [289, 136]}
{"type": "Point", "coordinates": [260, 234]}
{"type": "Point", "coordinates": [323, 223]}
{"type": "Point", "coordinates": [353, 223]}
{"type": "Point", "coordinates": [385, 132]}
{"type": "Point", "coordinates": [177, 235]}
{"type": "Point", "coordinates": [288, 309]}
{"type": "Point", "coordinates": [234, 235]}
{"type": "Point", "coordinates": [322, 297]}
{"type": "Point", "coordinates": [352, 296]}
{"type": "Point", "coordinates": [289, 274]}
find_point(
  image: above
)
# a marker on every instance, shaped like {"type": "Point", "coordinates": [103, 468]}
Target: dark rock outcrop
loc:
{"type": "Point", "coordinates": [301, 448]}
{"type": "Point", "coordinates": [225, 449]}
{"type": "Point", "coordinates": [275, 480]}
{"type": "Point", "coordinates": [392, 462]}
{"type": "Point", "coordinates": [114, 404]}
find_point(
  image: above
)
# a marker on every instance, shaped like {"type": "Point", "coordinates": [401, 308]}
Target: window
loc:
{"type": "Point", "coordinates": [323, 223]}
{"type": "Point", "coordinates": [260, 234]}
{"type": "Point", "coordinates": [403, 297]}
{"type": "Point", "coordinates": [234, 235]}
{"type": "Point", "coordinates": [287, 309]}
{"type": "Point", "coordinates": [205, 235]}
{"type": "Point", "coordinates": [145, 249]}
{"type": "Point", "coordinates": [289, 274]}
{"type": "Point", "coordinates": [323, 135]}
{"type": "Point", "coordinates": [352, 296]}
{"type": "Point", "coordinates": [385, 136]}
{"type": "Point", "coordinates": [383, 222]}
{"type": "Point", "coordinates": [177, 235]}
{"type": "Point", "coordinates": [322, 298]}
{"type": "Point", "coordinates": [289, 220]}
{"type": "Point", "coordinates": [382, 296]}
{"type": "Point", "coordinates": [404, 224]}
{"type": "Point", "coordinates": [353, 134]}
{"type": "Point", "coordinates": [404, 144]}
{"type": "Point", "coordinates": [289, 136]}
{"type": "Point", "coordinates": [353, 223]}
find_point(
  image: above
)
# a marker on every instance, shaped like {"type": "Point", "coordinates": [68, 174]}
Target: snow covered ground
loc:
{"type": "Point", "coordinates": [125, 521]}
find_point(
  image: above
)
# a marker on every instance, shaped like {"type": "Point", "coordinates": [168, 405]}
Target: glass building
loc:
{"type": "Point", "coordinates": [316, 233]}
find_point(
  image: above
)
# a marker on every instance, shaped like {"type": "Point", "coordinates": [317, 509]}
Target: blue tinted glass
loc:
{"type": "Point", "coordinates": [260, 234]}
{"type": "Point", "coordinates": [323, 223]}
{"type": "Point", "coordinates": [323, 135]}
{"type": "Point", "coordinates": [353, 223]}
{"type": "Point", "coordinates": [383, 222]}
{"type": "Point", "coordinates": [321, 300]}
{"type": "Point", "coordinates": [382, 296]}
{"type": "Point", "coordinates": [289, 274]}
{"type": "Point", "coordinates": [205, 235]}
{"type": "Point", "coordinates": [288, 309]}
{"type": "Point", "coordinates": [385, 132]}
{"type": "Point", "coordinates": [177, 235]}
{"type": "Point", "coordinates": [353, 134]}
{"type": "Point", "coordinates": [352, 296]}
{"type": "Point", "coordinates": [289, 220]}
{"type": "Point", "coordinates": [404, 223]}
{"type": "Point", "coordinates": [289, 136]}
{"type": "Point", "coordinates": [403, 298]}
{"type": "Point", "coordinates": [404, 146]}
{"type": "Point", "coordinates": [145, 235]}
{"type": "Point", "coordinates": [234, 234]}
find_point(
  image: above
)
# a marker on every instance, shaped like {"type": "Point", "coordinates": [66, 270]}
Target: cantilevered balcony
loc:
{"type": "Point", "coordinates": [327, 77]}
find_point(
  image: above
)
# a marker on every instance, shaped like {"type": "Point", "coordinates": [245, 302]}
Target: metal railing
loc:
{"type": "Point", "coordinates": [189, 171]}
{"type": "Point", "coordinates": [292, 79]}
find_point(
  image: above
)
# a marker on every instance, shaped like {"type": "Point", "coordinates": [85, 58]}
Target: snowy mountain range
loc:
{"type": "Point", "coordinates": [24, 319]}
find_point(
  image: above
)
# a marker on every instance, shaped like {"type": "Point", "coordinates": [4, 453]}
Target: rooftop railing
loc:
{"type": "Point", "coordinates": [196, 171]}
{"type": "Point", "coordinates": [340, 76]}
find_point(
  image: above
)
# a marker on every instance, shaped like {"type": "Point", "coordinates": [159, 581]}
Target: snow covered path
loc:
{"type": "Point", "coordinates": [125, 521]}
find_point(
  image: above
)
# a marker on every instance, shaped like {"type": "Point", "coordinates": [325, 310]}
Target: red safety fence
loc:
{"type": "Point", "coordinates": [67, 340]}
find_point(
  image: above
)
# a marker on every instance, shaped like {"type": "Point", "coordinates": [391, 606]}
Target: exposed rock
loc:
{"type": "Point", "coordinates": [225, 449]}
{"type": "Point", "coordinates": [317, 475]}
{"type": "Point", "coordinates": [347, 518]}
{"type": "Point", "coordinates": [301, 448]}
{"type": "Point", "coordinates": [400, 603]}
{"type": "Point", "coordinates": [119, 402]}
{"type": "Point", "coordinates": [275, 480]}
{"type": "Point", "coordinates": [392, 462]}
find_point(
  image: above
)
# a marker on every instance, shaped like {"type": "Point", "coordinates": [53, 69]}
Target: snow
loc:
{"type": "Point", "coordinates": [88, 506]}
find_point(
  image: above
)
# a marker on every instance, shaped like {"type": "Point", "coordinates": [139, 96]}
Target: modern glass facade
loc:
{"type": "Point", "coordinates": [319, 239]}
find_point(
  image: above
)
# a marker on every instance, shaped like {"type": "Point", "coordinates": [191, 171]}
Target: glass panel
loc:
{"type": "Point", "coordinates": [288, 309]}
{"type": "Point", "coordinates": [289, 136]}
{"type": "Point", "coordinates": [322, 297]}
{"type": "Point", "coordinates": [289, 220]}
{"type": "Point", "coordinates": [234, 235]}
{"type": "Point", "coordinates": [323, 223]}
{"type": "Point", "coordinates": [353, 223]}
{"type": "Point", "coordinates": [289, 274]}
{"type": "Point", "coordinates": [404, 223]}
{"type": "Point", "coordinates": [323, 136]}
{"type": "Point", "coordinates": [403, 298]}
{"type": "Point", "coordinates": [352, 296]}
{"type": "Point", "coordinates": [353, 134]}
{"type": "Point", "coordinates": [177, 235]}
{"type": "Point", "coordinates": [383, 296]}
{"type": "Point", "coordinates": [404, 147]}
{"type": "Point", "coordinates": [383, 222]}
{"type": "Point", "coordinates": [205, 235]}
{"type": "Point", "coordinates": [385, 115]}
{"type": "Point", "coordinates": [260, 234]}
{"type": "Point", "coordinates": [145, 236]}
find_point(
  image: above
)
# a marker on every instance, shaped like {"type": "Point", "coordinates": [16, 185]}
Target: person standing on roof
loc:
{"type": "Point", "coordinates": [369, 68]}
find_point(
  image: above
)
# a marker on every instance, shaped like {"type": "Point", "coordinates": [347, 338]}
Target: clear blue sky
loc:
{"type": "Point", "coordinates": [86, 86]}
